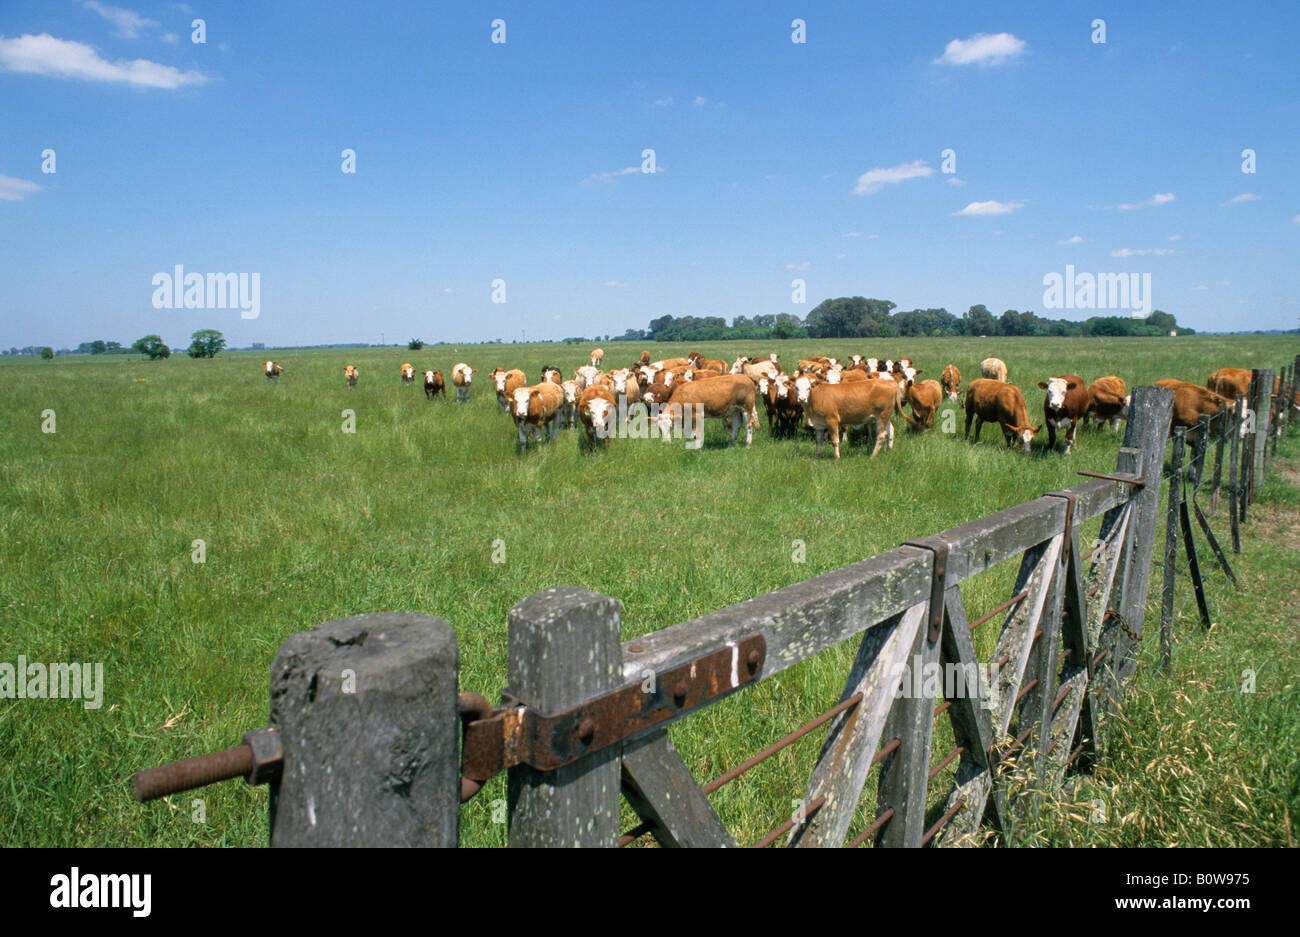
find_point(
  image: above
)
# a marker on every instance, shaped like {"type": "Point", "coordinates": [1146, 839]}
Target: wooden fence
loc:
{"type": "Point", "coordinates": [371, 745]}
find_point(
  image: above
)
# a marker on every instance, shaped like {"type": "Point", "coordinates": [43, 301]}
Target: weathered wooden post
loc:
{"type": "Point", "coordinates": [1171, 551]}
{"type": "Point", "coordinates": [1234, 473]}
{"type": "Point", "coordinates": [564, 649]}
{"type": "Point", "coordinates": [1147, 431]}
{"type": "Point", "coordinates": [366, 712]}
{"type": "Point", "coordinates": [1263, 420]}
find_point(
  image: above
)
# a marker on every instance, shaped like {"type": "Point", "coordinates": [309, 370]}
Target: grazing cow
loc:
{"type": "Point", "coordinates": [1191, 402]}
{"type": "Point", "coordinates": [506, 383]}
{"type": "Point", "coordinates": [835, 409]}
{"type": "Point", "coordinates": [350, 375]}
{"type": "Point", "coordinates": [597, 410]}
{"type": "Point", "coordinates": [1108, 401]}
{"type": "Point", "coordinates": [657, 392]}
{"type": "Point", "coordinates": [462, 375]}
{"type": "Point", "coordinates": [569, 408]}
{"type": "Point", "coordinates": [951, 379]}
{"type": "Point", "coordinates": [1063, 407]}
{"type": "Point", "coordinates": [850, 375]}
{"type": "Point", "coordinates": [535, 411]}
{"type": "Point", "coordinates": [995, 369]}
{"type": "Point", "coordinates": [408, 374]}
{"type": "Point", "coordinates": [585, 376]}
{"type": "Point", "coordinates": [730, 397]}
{"type": "Point", "coordinates": [924, 398]}
{"type": "Point", "coordinates": [434, 385]}
{"type": "Point", "coordinates": [272, 371]}
{"type": "Point", "coordinates": [597, 356]}
{"type": "Point", "coordinates": [756, 372]}
{"type": "Point", "coordinates": [993, 401]}
{"type": "Point", "coordinates": [701, 363]}
{"type": "Point", "coordinates": [1230, 382]}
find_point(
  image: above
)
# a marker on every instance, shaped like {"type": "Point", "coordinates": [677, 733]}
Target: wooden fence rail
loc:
{"type": "Point", "coordinates": [367, 713]}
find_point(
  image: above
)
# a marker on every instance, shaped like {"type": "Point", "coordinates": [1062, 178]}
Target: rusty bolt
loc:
{"type": "Point", "coordinates": [753, 660]}
{"type": "Point", "coordinates": [680, 690]}
{"type": "Point", "coordinates": [587, 729]}
{"type": "Point", "coordinates": [268, 755]}
{"type": "Point", "coordinates": [636, 648]}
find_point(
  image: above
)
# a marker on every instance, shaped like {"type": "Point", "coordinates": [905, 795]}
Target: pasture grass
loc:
{"type": "Point", "coordinates": [304, 524]}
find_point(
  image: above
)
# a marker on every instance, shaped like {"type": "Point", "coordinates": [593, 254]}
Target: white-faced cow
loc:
{"type": "Point", "coordinates": [462, 375]}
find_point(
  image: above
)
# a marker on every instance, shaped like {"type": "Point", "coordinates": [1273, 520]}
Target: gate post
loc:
{"type": "Point", "coordinates": [366, 712]}
{"type": "Point", "coordinates": [564, 648]}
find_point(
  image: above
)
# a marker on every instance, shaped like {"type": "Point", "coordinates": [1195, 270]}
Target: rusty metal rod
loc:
{"type": "Point", "coordinates": [790, 739]}
{"type": "Point", "coordinates": [784, 828]}
{"type": "Point", "coordinates": [943, 820]}
{"type": "Point", "coordinates": [885, 751]}
{"type": "Point", "coordinates": [632, 835]}
{"type": "Point", "coordinates": [1073, 755]}
{"type": "Point", "coordinates": [178, 776]}
{"type": "Point", "coordinates": [1027, 687]}
{"type": "Point", "coordinates": [947, 761]}
{"type": "Point", "coordinates": [1100, 654]}
{"type": "Point", "coordinates": [942, 708]}
{"type": "Point", "coordinates": [1020, 741]}
{"type": "Point", "coordinates": [870, 831]}
{"type": "Point", "coordinates": [1065, 691]}
{"type": "Point", "coordinates": [1001, 608]}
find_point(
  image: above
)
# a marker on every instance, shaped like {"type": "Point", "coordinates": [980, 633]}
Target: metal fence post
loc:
{"type": "Point", "coordinates": [564, 648]}
{"type": "Point", "coordinates": [366, 711]}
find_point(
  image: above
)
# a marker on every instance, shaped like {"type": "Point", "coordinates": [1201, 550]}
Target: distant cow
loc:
{"type": "Point", "coordinates": [408, 374]}
{"type": "Point", "coordinates": [597, 356]}
{"type": "Point", "coordinates": [506, 383]}
{"type": "Point", "coordinates": [993, 401]}
{"type": "Point", "coordinates": [462, 375]}
{"type": "Point", "coordinates": [835, 408]}
{"type": "Point", "coordinates": [350, 375]}
{"type": "Point", "coordinates": [951, 380]}
{"type": "Point", "coordinates": [1063, 407]}
{"type": "Point", "coordinates": [597, 411]}
{"type": "Point", "coordinates": [535, 410]}
{"type": "Point", "coordinates": [995, 369]}
{"type": "Point", "coordinates": [272, 371]}
{"type": "Point", "coordinates": [1108, 401]}
{"type": "Point", "coordinates": [701, 363]}
{"type": "Point", "coordinates": [730, 397]}
{"type": "Point", "coordinates": [1230, 382]}
{"type": "Point", "coordinates": [434, 385]}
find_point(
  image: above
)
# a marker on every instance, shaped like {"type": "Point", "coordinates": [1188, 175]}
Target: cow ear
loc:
{"type": "Point", "coordinates": [919, 371]}
{"type": "Point", "coordinates": [1043, 385]}
{"type": "Point", "coordinates": [1072, 385]}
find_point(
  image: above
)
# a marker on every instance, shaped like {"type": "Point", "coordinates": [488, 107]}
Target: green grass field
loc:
{"type": "Point", "coordinates": [304, 523]}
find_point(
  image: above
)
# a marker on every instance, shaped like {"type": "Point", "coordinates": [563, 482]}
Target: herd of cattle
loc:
{"type": "Point", "coordinates": [827, 395]}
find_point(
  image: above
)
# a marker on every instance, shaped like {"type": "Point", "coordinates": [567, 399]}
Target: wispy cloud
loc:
{"type": "Point", "coordinates": [611, 176]}
{"type": "Point", "coordinates": [955, 182]}
{"type": "Point", "coordinates": [873, 180]}
{"type": "Point", "coordinates": [128, 23]}
{"type": "Point", "coordinates": [1072, 240]}
{"type": "Point", "coordinates": [1162, 198]}
{"type": "Point", "coordinates": [614, 283]}
{"type": "Point", "coordinates": [805, 265]}
{"type": "Point", "coordinates": [64, 58]}
{"type": "Point", "coordinates": [663, 102]}
{"type": "Point", "coordinates": [701, 100]}
{"type": "Point", "coordinates": [1145, 252]}
{"type": "Point", "coordinates": [852, 234]}
{"type": "Point", "coordinates": [982, 49]}
{"type": "Point", "coordinates": [1175, 237]}
{"type": "Point", "coordinates": [15, 190]}
{"type": "Point", "coordinates": [990, 208]}
{"type": "Point", "coordinates": [1296, 220]}
{"type": "Point", "coordinates": [1243, 197]}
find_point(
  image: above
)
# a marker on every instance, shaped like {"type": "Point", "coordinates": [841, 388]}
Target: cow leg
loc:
{"type": "Point", "coordinates": [890, 424]}
{"type": "Point", "coordinates": [970, 415]}
{"type": "Point", "coordinates": [834, 427]}
{"type": "Point", "coordinates": [1051, 435]}
{"type": "Point", "coordinates": [1069, 437]}
{"type": "Point", "coordinates": [821, 435]}
{"type": "Point", "coordinates": [979, 425]}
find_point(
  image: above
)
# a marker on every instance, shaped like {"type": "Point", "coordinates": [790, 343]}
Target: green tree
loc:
{"type": "Point", "coordinates": [207, 343]}
{"type": "Point", "coordinates": [152, 347]}
{"type": "Point", "coordinates": [415, 344]}
{"type": "Point", "coordinates": [47, 353]}
{"type": "Point", "coordinates": [979, 321]}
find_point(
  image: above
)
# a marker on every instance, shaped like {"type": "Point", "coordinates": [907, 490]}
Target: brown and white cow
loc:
{"type": "Point", "coordinates": [1108, 401]}
{"type": "Point", "coordinates": [272, 371]}
{"type": "Point", "coordinates": [536, 410]}
{"type": "Point", "coordinates": [408, 373]}
{"type": "Point", "coordinates": [552, 374]}
{"type": "Point", "coordinates": [506, 383]}
{"type": "Point", "coordinates": [597, 411]}
{"type": "Point", "coordinates": [585, 376]}
{"type": "Point", "coordinates": [623, 381]}
{"type": "Point", "coordinates": [995, 369]}
{"type": "Point", "coordinates": [434, 385]}
{"type": "Point", "coordinates": [993, 401]}
{"type": "Point", "coordinates": [730, 397]}
{"type": "Point", "coordinates": [1064, 406]}
{"type": "Point", "coordinates": [951, 380]}
{"type": "Point", "coordinates": [350, 375]}
{"type": "Point", "coordinates": [569, 408]}
{"type": "Point", "coordinates": [836, 408]}
{"type": "Point", "coordinates": [701, 363]}
{"type": "Point", "coordinates": [462, 375]}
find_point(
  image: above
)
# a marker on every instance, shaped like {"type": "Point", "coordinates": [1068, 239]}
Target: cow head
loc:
{"type": "Point", "coordinates": [1056, 388]}
{"type": "Point", "coordinates": [428, 377]}
{"type": "Point", "coordinates": [601, 413]}
{"type": "Point", "coordinates": [803, 386]}
{"type": "Point", "coordinates": [499, 378]}
{"type": "Point", "coordinates": [570, 389]}
{"type": "Point", "coordinates": [909, 375]}
{"type": "Point", "coordinates": [523, 395]}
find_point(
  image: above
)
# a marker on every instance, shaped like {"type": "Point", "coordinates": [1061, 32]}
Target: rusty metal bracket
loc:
{"type": "Point", "coordinates": [1134, 480]}
{"type": "Point", "coordinates": [516, 734]}
{"type": "Point", "coordinates": [939, 574]}
{"type": "Point", "coordinates": [1069, 498]}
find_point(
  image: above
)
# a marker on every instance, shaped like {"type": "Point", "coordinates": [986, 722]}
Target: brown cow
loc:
{"type": "Point", "coordinates": [462, 375]}
{"type": "Point", "coordinates": [1063, 407]}
{"type": "Point", "coordinates": [730, 397]}
{"type": "Point", "coordinates": [597, 356]}
{"type": "Point", "coordinates": [951, 379]}
{"type": "Point", "coordinates": [535, 411]}
{"type": "Point", "coordinates": [1108, 401]}
{"type": "Point", "coordinates": [507, 382]}
{"type": "Point", "coordinates": [624, 381]}
{"type": "Point", "coordinates": [924, 398]}
{"type": "Point", "coordinates": [272, 371]}
{"type": "Point", "coordinates": [350, 375]}
{"type": "Point", "coordinates": [993, 401]}
{"type": "Point", "coordinates": [1230, 382]}
{"type": "Point", "coordinates": [434, 385]}
{"type": "Point", "coordinates": [597, 410]}
{"type": "Point", "coordinates": [1191, 402]}
{"type": "Point", "coordinates": [408, 374]}
{"type": "Point", "coordinates": [701, 363]}
{"type": "Point", "coordinates": [833, 408]}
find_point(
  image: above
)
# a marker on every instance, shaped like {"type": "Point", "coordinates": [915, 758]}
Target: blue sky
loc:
{"type": "Point", "coordinates": [478, 161]}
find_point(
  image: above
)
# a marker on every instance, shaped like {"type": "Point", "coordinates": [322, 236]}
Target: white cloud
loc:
{"type": "Point", "coordinates": [448, 289]}
{"type": "Point", "coordinates": [990, 208]}
{"type": "Point", "coordinates": [15, 190]}
{"type": "Point", "coordinates": [1296, 220]}
{"type": "Point", "coordinates": [1243, 197]}
{"type": "Point", "coordinates": [63, 58]}
{"type": "Point", "coordinates": [663, 102]}
{"type": "Point", "coordinates": [955, 182]}
{"type": "Point", "coordinates": [1175, 237]}
{"type": "Point", "coordinates": [1073, 240]}
{"type": "Point", "coordinates": [1162, 198]}
{"type": "Point", "coordinates": [700, 100]}
{"type": "Point", "coordinates": [1201, 287]}
{"type": "Point", "coordinates": [130, 25]}
{"type": "Point", "coordinates": [611, 176]}
{"type": "Point", "coordinates": [1145, 252]}
{"type": "Point", "coordinates": [853, 234]}
{"type": "Point", "coordinates": [840, 256]}
{"type": "Point", "coordinates": [800, 266]}
{"type": "Point", "coordinates": [169, 37]}
{"type": "Point", "coordinates": [873, 180]}
{"type": "Point", "coordinates": [982, 49]}
{"type": "Point", "coordinates": [613, 283]}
